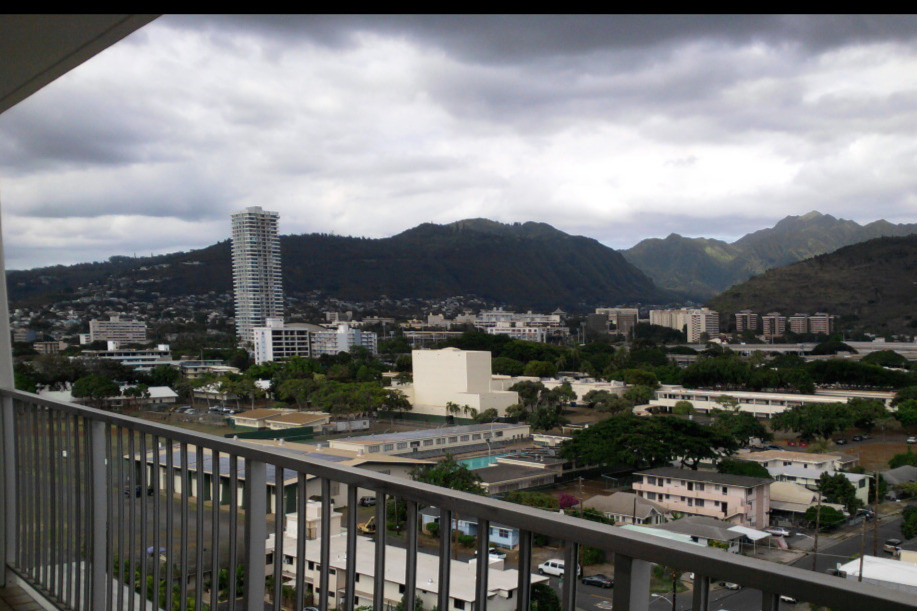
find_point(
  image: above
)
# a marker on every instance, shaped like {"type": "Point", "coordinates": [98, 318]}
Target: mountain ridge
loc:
{"type": "Point", "coordinates": [703, 267]}
{"type": "Point", "coordinates": [532, 265]}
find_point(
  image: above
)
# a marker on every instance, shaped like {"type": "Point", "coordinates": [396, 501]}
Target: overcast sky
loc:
{"type": "Point", "coordinates": [617, 128]}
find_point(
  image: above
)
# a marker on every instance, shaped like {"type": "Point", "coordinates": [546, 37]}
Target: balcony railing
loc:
{"type": "Point", "coordinates": [89, 525]}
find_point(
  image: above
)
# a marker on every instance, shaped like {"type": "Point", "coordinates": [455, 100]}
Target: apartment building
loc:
{"type": "Point", "coordinates": [694, 321]}
{"type": "Point", "coordinates": [805, 468]}
{"type": "Point", "coordinates": [798, 323]}
{"type": "Point", "coordinates": [746, 320]}
{"type": "Point", "coordinates": [502, 584]}
{"type": "Point", "coordinates": [279, 341]}
{"type": "Point", "coordinates": [256, 280]}
{"type": "Point", "coordinates": [117, 330]}
{"type": "Point", "coordinates": [737, 499]}
{"type": "Point", "coordinates": [342, 339]}
{"type": "Point", "coordinates": [773, 324]}
{"type": "Point", "coordinates": [519, 331]}
{"type": "Point", "coordinates": [624, 319]}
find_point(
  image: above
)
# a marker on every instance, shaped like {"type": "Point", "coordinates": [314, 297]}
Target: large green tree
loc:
{"type": "Point", "coordinates": [838, 489]}
{"type": "Point", "coordinates": [95, 388]}
{"type": "Point", "coordinates": [647, 442]}
{"type": "Point", "coordinates": [449, 473]}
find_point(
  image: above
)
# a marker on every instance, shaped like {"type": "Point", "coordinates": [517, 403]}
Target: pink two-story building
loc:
{"type": "Point", "coordinates": [738, 499]}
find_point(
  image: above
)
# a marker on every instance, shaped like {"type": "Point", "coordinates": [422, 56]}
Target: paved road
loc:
{"type": "Point", "coordinates": [832, 552]}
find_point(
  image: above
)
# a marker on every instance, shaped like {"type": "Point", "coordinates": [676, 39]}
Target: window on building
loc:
{"type": "Point", "coordinates": [698, 502]}
{"type": "Point", "coordinates": [651, 481]}
{"type": "Point", "coordinates": [690, 485]}
{"type": "Point", "coordinates": [459, 604]}
{"type": "Point", "coordinates": [699, 487]}
{"type": "Point", "coordinates": [498, 434]}
{"type": "Point", "coordinates": [428, 442]}
{"type": "Point", "coordinates": [287, 559]}
{"type": "Point", "coordinates": [401, 588]}
{"type": "Point", "coordinates": [311, 566]}
{"type": "Point", "coordinates": [651, 496]}
{"type": "Point", "coordinates": [725, 490]}
{"type": "Point", "coordinates": [453, 440]}
{"type": "Point", "coordinates": [503, 533]}
{"type": "Point", "coordinates": [388, 447]}
{"type": "Point", "coordinates": [690, 502]}
{"type": "Point", "coordinates": [465, 438]}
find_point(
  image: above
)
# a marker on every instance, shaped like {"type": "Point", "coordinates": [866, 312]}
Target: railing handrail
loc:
{"type": "Point", "coordinates": [751, 572]}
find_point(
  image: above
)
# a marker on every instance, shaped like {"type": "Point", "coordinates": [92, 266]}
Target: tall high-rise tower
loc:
{"type": "Point", "coordinates": [255, 270]}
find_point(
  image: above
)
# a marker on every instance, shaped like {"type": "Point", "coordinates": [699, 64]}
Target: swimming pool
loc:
{"type": "Point", "coordinates": [479, 462]}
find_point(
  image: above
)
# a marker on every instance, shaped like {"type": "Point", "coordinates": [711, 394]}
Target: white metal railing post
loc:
{"type": "Point", "coordinates": [255, 532]}
{"type": "Point", "coordinates": [8, 488]}
{"type": "Point", "coordinates": [8, 476]}
{"type": "Point", "coordinates": [632, 583]}
{"type": "Point", "coordinates": [99, 535]}
{"type": "Point", "coordinates": [701, 597]}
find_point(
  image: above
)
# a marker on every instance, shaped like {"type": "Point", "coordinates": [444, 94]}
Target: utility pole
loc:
{"type": "Point", "coordinates": [674, 587]}
{"type": "Point", "coordinates": [875, 518]}
{"type": "Point", "coordinates": [862, 547]}
{"type": "Point", "coordinates": [817, 526]}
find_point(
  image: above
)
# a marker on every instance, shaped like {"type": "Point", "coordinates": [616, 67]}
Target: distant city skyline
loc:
{"type": "Point", "coordinates": [616, 128]}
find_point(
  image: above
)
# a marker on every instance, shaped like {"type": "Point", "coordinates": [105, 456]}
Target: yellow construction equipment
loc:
{"type": "Point", "coordinates": [368, 527]}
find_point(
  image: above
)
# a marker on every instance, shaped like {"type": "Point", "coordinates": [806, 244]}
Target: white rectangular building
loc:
{"type": "Point", "coordinates": [342, 339]}
{"type": "Point", "coordinates": [462, 377]}
{"type": "Point", "coordinates": [501, 583]}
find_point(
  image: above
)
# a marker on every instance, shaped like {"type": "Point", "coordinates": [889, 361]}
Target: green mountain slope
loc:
{"type": "Point", "coordinates": [701, 267]}
{"type": "Point", "coordinates": [873, 285]}
{"type": "Point", "coordinates": [526, 265]}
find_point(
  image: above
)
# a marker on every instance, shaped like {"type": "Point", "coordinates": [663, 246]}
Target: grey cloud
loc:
{"type": "Point", "coordinates": [512, 38]}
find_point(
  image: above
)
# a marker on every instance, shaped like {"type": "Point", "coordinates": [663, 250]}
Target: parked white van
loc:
{"type": "Point", "coordinates": [555, 567]}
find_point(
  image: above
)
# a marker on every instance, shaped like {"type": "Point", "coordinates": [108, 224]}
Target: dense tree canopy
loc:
{"type": "Point", "coordinates": [813, 420]}
{"type": "Point", "coordinates": [647, 442]}
{"type": "Point", "coordinates": [742, 467]}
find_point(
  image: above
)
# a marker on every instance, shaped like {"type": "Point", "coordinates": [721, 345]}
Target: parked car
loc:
{"type": "Point", "coordinates": [599, 580]}
{"type": "Point", "coordinates": [892, 545]}
{"type": "Point", "coordinates": [912, 439]}
{"type": "Point", "coordinates": [858, 438]}
{"type": "Point", "coordinates": [841, 441]}
{"type": "Point", "coordinates": [494, 553]}
{"type": "Point", "coordinates": [779, 532]}
{"type": "Point", "coordinates": [730, 586]}
{"type": "Point", "coordinates": [555, 566]}
{"type": "Point", "coordinates": [367, 501]}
